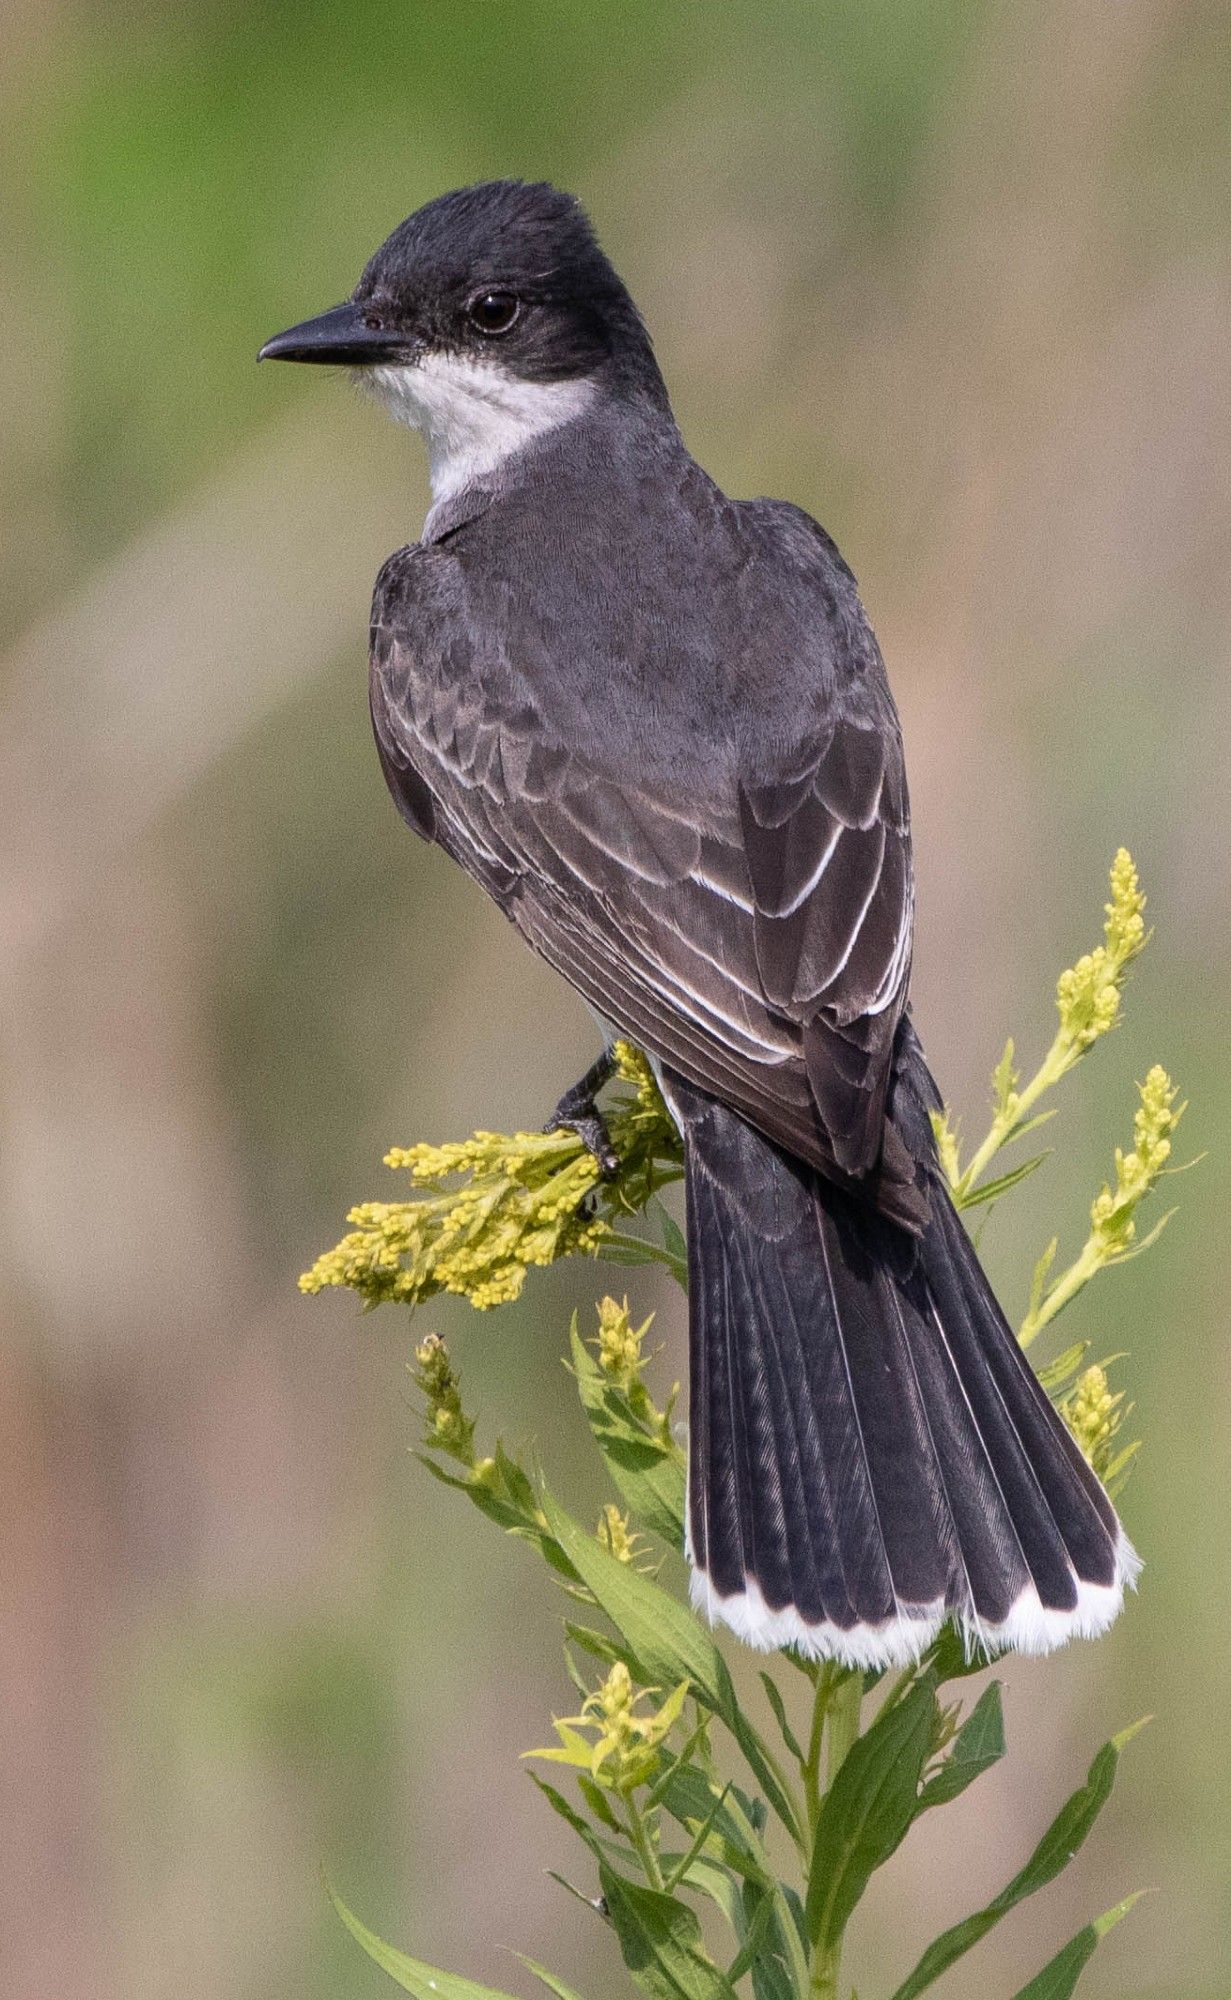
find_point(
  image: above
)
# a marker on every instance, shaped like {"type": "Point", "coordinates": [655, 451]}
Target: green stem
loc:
{"type": "Point", "coordinates": [643, 1844]}
{"type": "Point", "coordinates": [810, 1769]}
{"type": "Point", "coordinates": [1055, 1064]}
{"type": "Point", "coordinates": [1067, 1285]}
{"type": "Point", "coordinates": [843, 1722]}
{"type": "Point", "coordinates": [844, 1702]}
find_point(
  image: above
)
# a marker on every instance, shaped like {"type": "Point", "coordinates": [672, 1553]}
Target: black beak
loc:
{"type": "Point", "coordinates": [342, 336]}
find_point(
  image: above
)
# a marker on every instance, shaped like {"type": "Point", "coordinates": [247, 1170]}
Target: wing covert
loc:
{"type": "Point", "coordinates": [753, 933]}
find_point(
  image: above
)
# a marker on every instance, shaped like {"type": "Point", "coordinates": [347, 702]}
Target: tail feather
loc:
{"type": "Point", "coordinates": [870, 1452]}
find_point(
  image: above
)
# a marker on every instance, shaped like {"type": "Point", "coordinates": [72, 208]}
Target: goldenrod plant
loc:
{"type": "Point", "coordinates": [680, 1795]}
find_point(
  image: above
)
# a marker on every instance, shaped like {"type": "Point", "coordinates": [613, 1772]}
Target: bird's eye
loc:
{"type": "Point", "coordinates": [373, 322]}
{"type": "Point", "coordinates": [493, 312]}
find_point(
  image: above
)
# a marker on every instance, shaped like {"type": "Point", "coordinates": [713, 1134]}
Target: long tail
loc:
{"type": "Point", "coordinates": [870, 1452]}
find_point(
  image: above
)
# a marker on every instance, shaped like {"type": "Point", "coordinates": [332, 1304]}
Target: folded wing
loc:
{"type": "Point", "coordinates": [756, 939]}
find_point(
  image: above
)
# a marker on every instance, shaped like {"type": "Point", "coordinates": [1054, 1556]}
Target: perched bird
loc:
{"type": "Point", "coordinates": [654, 724]}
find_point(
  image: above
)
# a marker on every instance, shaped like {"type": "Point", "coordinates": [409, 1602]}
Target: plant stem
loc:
{"type": "Point", "coordinates": [1058, 1060]}
{"type": "Point", "coordinates": [843, 1722]}
{"type": "Point", "coordinates": [1067, 1285]}
{"type": "Point", "coordinates": [843, 1702]}
{"type": "Point", "coordinates": [643, 1844]}
{"type": "Point", "coordinates": [810, 1769]}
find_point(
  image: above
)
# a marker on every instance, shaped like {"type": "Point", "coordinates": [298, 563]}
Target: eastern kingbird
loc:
{"type": "Point", "coordinates": [654, 724]}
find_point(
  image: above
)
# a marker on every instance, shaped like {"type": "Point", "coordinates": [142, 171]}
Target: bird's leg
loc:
{"type": "Point", "coordinates": [578, 1110]}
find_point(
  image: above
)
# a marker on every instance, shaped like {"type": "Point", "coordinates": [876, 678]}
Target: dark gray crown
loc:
{"type": "Point", "coordinates": [530, 240]}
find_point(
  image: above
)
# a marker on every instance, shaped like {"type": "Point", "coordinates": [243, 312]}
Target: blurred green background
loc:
{"type": "Point", "coordinates": [957, 277]}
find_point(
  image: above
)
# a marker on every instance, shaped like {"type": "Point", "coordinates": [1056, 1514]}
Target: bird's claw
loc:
{"type": "Point", "coordinates": [592, 1131]}
{"type": "Point", "coordinates": [578, 1112]}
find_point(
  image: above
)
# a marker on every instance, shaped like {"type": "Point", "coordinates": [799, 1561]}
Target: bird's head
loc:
{"type": "Point", "coordinates": [488, 318]}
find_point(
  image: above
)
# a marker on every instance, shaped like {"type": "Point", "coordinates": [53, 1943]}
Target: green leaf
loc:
{"type": "Point", "coordinates": [1004, 1079]}
{"type": "Point", "coordinates": [680, 1868]}
{"type": "Point", "coordinates": [1054, 1852]}
{"type": "Point", "coordinates": [773, 1695]}
{"type": "Point", "coordinates": [993, 1189]}
{"type": "Point", "coordinates": [673, 1238]}
{"type": "Point", "coordinates": [598, 1644]}
{"type": "Point", "coordinates": [690, 1797]}
{"type": "Point", "coordinates": [1060, 1975]}
{"type": "Point", "coordinates": [592, 1903]}
{"type": "Point", "coordinates": [426, 1982]}
{"type": "Point", "coordinates": [868, 1810]}
{"type": "Point", "coordinates": [621, 1249]}
{"type": "Point", "coordinates": [571, 1817]}
{"type": "Point", "coordinates": [770, 1979]}
{"type": "Point", "coordinates": [1039, 1277]}
{"type": "Point", "coordinates": [755, 1931]}
{"type": "Point", "coordinates": [978, 1745]}
{"type": "Point", "coordinates": [1055, 1374]}
{"type": "Point", "coordinates": [947, 1657]}
{"type": "Point", "coordinates": [660, 1940]}
{"type": "Point", "coordinates": [549, 1980]}
{"type": "Point", "coordinates": [598, 1802]}
{"type": "Point", "coordinates": [666, 1643]}
{"type": "Point", "coordinates": [648, 1473]}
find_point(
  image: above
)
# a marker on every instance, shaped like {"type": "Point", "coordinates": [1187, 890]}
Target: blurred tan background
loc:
{"type": "Point", "coordinates": [955, 276]}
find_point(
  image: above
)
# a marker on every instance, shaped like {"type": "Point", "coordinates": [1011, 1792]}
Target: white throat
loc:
{"type": "Point", "coordinates": [472, 414]}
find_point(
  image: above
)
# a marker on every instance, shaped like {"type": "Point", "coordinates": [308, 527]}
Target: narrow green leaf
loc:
{"type": "Point", "coordinates": [690, 1798]}
{"type": "Point", "coordinates": [667, 1644]}
{"type": "Point", "coordinates": [1004, 1078]}
{"type": "Point", "coordinates": [868, 1810]}
{"type": "Point", "coordinates": [1055, 1374]}
{"type": "Point", "coordinates": [592, 1903]}
{"type": "Point", "coordinates": [773, 1695]}
{"type": "Point", "coordinates": [993, 1189]}
{"type": "Point", "coordinates": [660, 1940]}
{"type": "Point", "coordinates": [1060, 1975]}
{"type": "Point", "coordinates": [673, 1238]}
{"type": "Point", "coordinates": [1030, 1125]}
{"type": "Point", "coordinates": [665, 1640]}
{"type": "Point", "coordinates": [581, 1826]}
{"type": "Point", "coordinates": [598, 1644]}
{"type": "Point", "coordinates": [978, 1745]}
{"type": "Point", "coordinates": [1054, 1852]}
{"type": "Point", "coordinates": [771, 1980]}
{"type": "Point", "coordinates": [755, 1933]}
{"type": "Point", "coordinates": [426, 1982]}
{"type": "Point", "coordinates": [549, 1980]}
{"type": "Point", "coordinates": [648, 1473]}
{"type": "Point", "coordinates": [680, 1868]}
{"type": "Point", "coordinates": [598, 1802]}
{"type": "Point", "coordinates": [710, 1878]}
{"type": "Point", "coordinates": [1040, 1275]}
{"type": "Point", "coordinates": [621, 1249]}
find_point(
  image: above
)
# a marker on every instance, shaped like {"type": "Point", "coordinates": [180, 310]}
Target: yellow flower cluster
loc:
{"type": "Point", "coordinates": [1088, 994]}
{"type": "Point", "coordinates": [1091, 1411]}
{"type": "Point", "coordinates": [620, 1342]}
{"type": "Point", "coordinates": [1088, 1003]}
{"type": "Point", "coordinates": [1112, 1227]}
{"type": "Point", "coordinates": [448, 1424]}
{"type": "Point", "coordinates": [621, 1356]}
{"type": "Point", "coordinates": [488, 1209]}
{"type": "Point", "coordinates": [625, 1750]}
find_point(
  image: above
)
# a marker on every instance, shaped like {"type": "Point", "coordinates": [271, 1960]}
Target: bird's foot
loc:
{"type": "Point", "coordinates": [578, 1112]}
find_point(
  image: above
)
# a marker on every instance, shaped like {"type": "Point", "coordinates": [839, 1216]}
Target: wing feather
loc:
{"type": "Point", "coordinates": [757, 938]}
